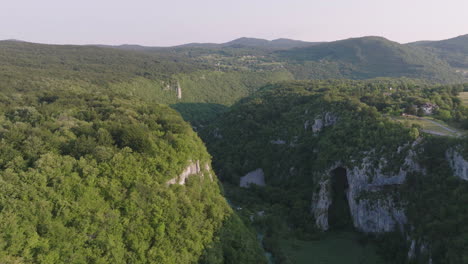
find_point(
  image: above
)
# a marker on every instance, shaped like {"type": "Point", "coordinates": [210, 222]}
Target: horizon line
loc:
{"type": "Point", "coordinates": [217, 43]}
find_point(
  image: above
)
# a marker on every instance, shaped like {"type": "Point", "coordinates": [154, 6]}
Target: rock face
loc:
{"type": "Point", "coordinates": [179, 91]}
{"type": "Point", "coordinates": [418, 248]}
{"type": "Point", "coordinates": [217, 134]}
{"type": "Point", "coordinates": [381, 215]}
{"type": "Point", "coordinates": [327, 119]}
{"type": "Point", "coordinates": [330, 119]}
{"type": "Point", "coordinates": [317, 126]}
{"type": "Point", "coordinates": [254, 177]}
{"type": "Point", "coordinates": [370, 212]}
{"type": "Point", "coordinates": [458, 163]}
{"type": "Point", "coordinates": [321, 201]}
{"type": "Point", "coordinates": [192, 169]}
{"type": "Point", "coordinates": [278, 142]}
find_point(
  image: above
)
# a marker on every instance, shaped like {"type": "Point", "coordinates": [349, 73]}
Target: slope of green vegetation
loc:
{"type": "Point", "coordinates": [221, 74]}
{"type": "Point", "coordinates": [153, 77]}
{"type": "Point", "coordinates": [272, 130]}
{"type": "Point", "coordinates": [281, 111]}
{"type": "Point", "coordinates": [464, 98]}
{"type": "Point", "coordinates": [83, 180]}
{"type": "Point", "coordinates": [454, 50]}
{"type": "Point", "coordinates": [86, 63]}
{"type": "Point", "coordinates": [367, 57]}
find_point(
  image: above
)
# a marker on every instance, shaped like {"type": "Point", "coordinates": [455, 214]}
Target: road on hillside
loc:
{"type": "Point", "coordinates": [452, 132]}
{"type": "Point", "coordinates": [458, 134]}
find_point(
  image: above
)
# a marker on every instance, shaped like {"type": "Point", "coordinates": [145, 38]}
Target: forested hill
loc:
{"type": "Point", "coordinates": [97, 178]}
{"type": "Point", "coordinates": [454, 50]}
{"type": "Point", "coordinates": [167, 77]}
{"type": "Point", "coordinates": [276, 44]}
{"type": "Point", "coordinates": [89, 61]}
{"type": "Point", "coordinates": [368, 57]}
{"type": "Point", "coordinates": [282, 43]}
{"type": "Point", "coordinates": [355, 58]}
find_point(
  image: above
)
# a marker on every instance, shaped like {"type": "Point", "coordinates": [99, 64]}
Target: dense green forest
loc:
{"type": "Point", "coordinates": [154, 77]}
{"type": "Point", "coordinates": [84, 180]}
{"type": "Point", "coordinates": [215, 73]}
{"type": "Point", "coordinates": [454, 50]}
{"type": "Point", "coordinates": [368, 57]}
{"type": "Point", "coordinates": [357, 58]}
{"type": "Point", "coordinates": [272, 130]}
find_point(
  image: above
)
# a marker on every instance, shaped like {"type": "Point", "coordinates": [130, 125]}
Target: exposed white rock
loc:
{"type": "Point", "coordinates": [208, 169]}
{"type": "Point", "coordinates": [412, 250]}
{"type": "Point", "coordinates": [370, 215]}
{"type": "Point", "coordinates": [278, 142]}
{"type": "Point", "coordinates": [192, 169]}
{"type": "Point", "coordinates": [376, 216]}
{"type": "Point", "coordinates": [418, 248]}
{"type": "Point", "coordinates": [379, 214]}
{"type": "Point", "coordinates": [217, 134]}
{"type": "Point", "coordinates": [254, 177]}
{"type": "Point", "coordinates": [293, 142]}
{"type": "Point", "coordinates": [327, 119]}
{"type": "Point", "coordinates": [330, 119]}
{"type": "Point", "coordinates": [179, 91]}
{"type": "Point", "coordinates": [317, 126]}
{"type": "Point", "coordinates": [321, 201]}
{"type": "Point", "coordinates": [458, 163]}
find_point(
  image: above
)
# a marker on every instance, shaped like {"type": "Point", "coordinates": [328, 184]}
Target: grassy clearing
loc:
{"type": "Point", "coordinates": [335, 248]}
{"type": "Point", "coordinates": [464, 97]}
{"type": "Point", "coordinates": [430, 125]}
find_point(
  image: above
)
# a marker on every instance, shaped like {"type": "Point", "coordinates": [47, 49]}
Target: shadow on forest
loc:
{"type": "Point", "coordinates": [199, 113]}
{"type": "Point", "coordinates": [234, 243]}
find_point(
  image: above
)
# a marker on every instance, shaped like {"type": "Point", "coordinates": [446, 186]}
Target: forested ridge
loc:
{"type": "Point", "coordinates": [84, 180]}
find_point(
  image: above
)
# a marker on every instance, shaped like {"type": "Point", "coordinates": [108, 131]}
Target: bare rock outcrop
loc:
{"type": "Point", "coordinates": [318, 125]}
{"type": "Point", "coordinates": [458, 164]}
{"type": "Point", "coordinates": [179, 91]}
{"type": "Point", "coordinates": [192, 169]}
{"type": "Point", "coordinates": [256, 177]}
{"type": "Point", "coordinates": [321, 121]}
{"type": "Point", "coordinates": [370, 212]}
{"type": "Point", "coordinates": [321, 201]}
{"type": "Point", "coordinates": [278, 142]}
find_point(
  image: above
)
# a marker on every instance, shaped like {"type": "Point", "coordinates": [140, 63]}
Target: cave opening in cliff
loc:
{"type": "Point", "coordinates": [339, 215]}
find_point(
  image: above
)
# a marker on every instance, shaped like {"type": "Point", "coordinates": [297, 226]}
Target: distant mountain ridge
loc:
{"type": "Point", "coordinates": [453, 50]}
{"type": "Point", "coordinates": [355, 58]}
{"type": "Point", "coordinates": [460, 42]}
{"type": "Point", "coordinates": [369, 57]}
{"type": "Point", "coordinates": [281, 43]}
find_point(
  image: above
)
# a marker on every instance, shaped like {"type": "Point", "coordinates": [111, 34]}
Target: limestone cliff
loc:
{"type": "Point", "coordinates": [192, 169]}
{"type": "Point", "coordinates": [372, 210]}
{"type": "Point", "coordinates": [458, 163]}
{"type": "Point", "coordinates": [179, 90]}
{"type": "Point", "coordinates": [321, 121]}
{"type": "Point", "coordinates": [321, 201]}
{"type": "Point", "coordinates": [254, 177]}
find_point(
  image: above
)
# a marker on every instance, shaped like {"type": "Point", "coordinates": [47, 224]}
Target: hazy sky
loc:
{"type": "Point", "coordinates": [171, 22]}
